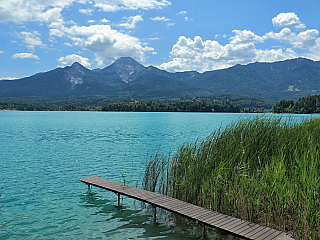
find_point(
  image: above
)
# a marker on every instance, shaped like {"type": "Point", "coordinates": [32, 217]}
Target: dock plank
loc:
{"type": "Point", "coordinates": [207, 217]}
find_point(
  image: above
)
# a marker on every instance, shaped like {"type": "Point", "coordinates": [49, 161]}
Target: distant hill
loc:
{"type": "Point", "coordinates": [289, 80]}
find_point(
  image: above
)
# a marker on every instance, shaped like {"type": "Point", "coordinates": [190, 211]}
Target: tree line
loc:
{"type": "Point", "coordinates": [132, 106]}
{"type": "Point", "coordinates": [309, 104]}
{"type": "Point", "coordinates": [32, 107]}
{"type": "Point", "coordinates": [182, 106]}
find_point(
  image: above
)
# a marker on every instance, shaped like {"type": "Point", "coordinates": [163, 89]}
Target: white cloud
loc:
{"type": "Point", "coordinates": [273, 55]}
{"type": "Point", "coordinates": [131, 22]}
{"type": "Point", "coordinates": [19, 11]}
{"type": "Point", "coordinates": [91, 21]}
{"type": "Point", "coordinates": [182, 13]}
{"type": "Point", "coordinates": [25, 55]}
{"type": "Point", "coordinates": [87, 11]}
{"type": "Point", "coordinates": [56, 32]}
{"type": "Point", "coordinates": [245, 37]}
{"type": "Point", "coordinates": [50, 15]}
{"type": "Point", "coordinates": [196, 54]}
{"type": "Point", "coordinates": [117, 5]}
{"type": "Point", "coordinates": [108, 8]}
{"type": "Point", "coordinates": [9, 78]}
{"type": "Point", "coordinates": [162, 19]}
{"type": "Point", "coordinates": [303, 40]}
{"type": "Point", "coordinates": [315, 51]}
{"type": "Point", "coordinates": [31, 39]}
{"type": "Point", "coordinates": [106, 43]}
{"type": "Point", "coordinates": [105, 20]}
{"type": "Point", "coordinates": [288, 20]}
{"type": "Point", "coordinates": [70, 59]}
{"type": "Point", "coordinates": [188, 19]}
{"type": "Point", "coordinates": [1, 52]}
{"type": "Point", "coordinates": [68, 44]}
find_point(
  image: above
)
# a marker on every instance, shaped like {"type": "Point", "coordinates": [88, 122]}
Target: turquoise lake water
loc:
{"type": "Point", "coordinates": [43, 154]}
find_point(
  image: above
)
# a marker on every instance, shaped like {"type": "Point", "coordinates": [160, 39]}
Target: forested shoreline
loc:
{"type": "Point", "coordinates": [145, 106]}
{"type": "Point", "coordinates": [306, 105]}
{"type": "Point", "coordinates": [149, 106]}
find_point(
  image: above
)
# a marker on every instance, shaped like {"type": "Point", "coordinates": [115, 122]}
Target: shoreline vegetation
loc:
{"type": "Point", "coordinates": [306, 105]}
{"type": "Point", "coordinates": [224, 103]}
{"type": "Point", "coordinates": [144, 106]}
{"type": "Point", "coordinates": [264, 170]}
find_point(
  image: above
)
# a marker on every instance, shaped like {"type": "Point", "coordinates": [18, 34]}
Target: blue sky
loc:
{"type": "Point", "coordinates": [202, 35]}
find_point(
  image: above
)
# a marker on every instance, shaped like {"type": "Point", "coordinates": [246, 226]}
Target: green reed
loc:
{"type": "Point", "coordinates": [264, 170]}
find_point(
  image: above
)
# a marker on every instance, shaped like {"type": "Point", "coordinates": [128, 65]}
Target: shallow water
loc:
{"type": "Point", "coordinates": [43, 154]}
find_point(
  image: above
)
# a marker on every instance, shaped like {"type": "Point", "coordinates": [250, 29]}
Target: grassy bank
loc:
{"type": "Point", "coordinates": [265, 170]}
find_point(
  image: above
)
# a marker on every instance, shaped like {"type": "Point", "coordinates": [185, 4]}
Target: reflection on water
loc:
{"type": "Point", "coordinates": [123, 222]}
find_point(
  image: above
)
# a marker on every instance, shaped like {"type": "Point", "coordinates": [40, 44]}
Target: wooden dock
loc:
{"type": "Point", "coordinates": [203, 216]}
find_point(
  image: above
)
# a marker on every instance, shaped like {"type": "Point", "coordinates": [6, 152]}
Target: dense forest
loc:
{"type": "Point", "coordinates": [31, 107]}
{"type": "Point", "coordinates": [145, 106]}
{"type": "Point", "coordinates": [149, 106]}
{"type": "Point", "coordinates": [95, 102]}
{"type": "Point", "coordinates": [310, 104]}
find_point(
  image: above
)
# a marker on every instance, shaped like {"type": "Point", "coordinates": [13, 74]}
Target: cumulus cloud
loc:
{"type": "Point", "coordinates": [31, 39]}
{"type": "Point", "coordinates": [131, 22]}
{"type": "Point", "coordinates": [9, 78]}
{"type": "Point", "coordinates": [50, 15]}
{"type": "Point", "coordinates": [20, 11]}
{"type": "Point", "coordinates": [87, 11]}
{"type": "Point", "coordinates": [196, 54]}
{"type": "Point", "coordinates": [105, 20]}
{"type": "Point", "coordinates": [32, 10]}
{"type": "Point", "coordinates": [303, 40]}
{"type": "Point", "coordinates": [70, 59]}
{"type": "Point", "coordinates": [25, 55]}
{"type": "Point", "coordinates": [117, 5]}
{"type": "Point", "coordinates": [56, 32]}
{"type": "Point", "coordinates": [182, 13]}
{"type": "Point", "coordinates": [106, 43]}
{"type": "Point", "coordinates": [162, 19]}
{"type": "Point", "coordinates": [315, 51]}
{"type": "Point", "coordinates": [288, 20]}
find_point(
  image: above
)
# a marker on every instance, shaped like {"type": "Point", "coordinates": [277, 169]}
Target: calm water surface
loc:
{"type": "Point", "coordinates": [43, 154]}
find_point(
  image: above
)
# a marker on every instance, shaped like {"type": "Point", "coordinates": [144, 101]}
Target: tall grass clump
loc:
{"type": "Point", "coordinates": [264, 170]}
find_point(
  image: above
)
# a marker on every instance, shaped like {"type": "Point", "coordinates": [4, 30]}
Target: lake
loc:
{"type": "Point", "coordinates": [43, 154]}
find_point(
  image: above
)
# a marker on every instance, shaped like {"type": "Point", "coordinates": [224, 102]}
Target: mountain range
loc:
{"type": "Point", "coordinates": [289, 79]}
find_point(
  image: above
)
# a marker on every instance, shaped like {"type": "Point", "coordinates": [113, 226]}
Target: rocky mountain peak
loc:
{"type": "Point", "coordinates": [74, 74]}
{"type": "Point", "coordinates": [126, 68]}
{"type": "Point", "coordinates": [77, 65]}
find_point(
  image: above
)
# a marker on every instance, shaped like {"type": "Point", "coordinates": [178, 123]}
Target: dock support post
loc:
{"type": "Point", "coordinates": [203, 231]}
{"type": "Point", "coordinates": [155, 213]}
{"type": "Point", "coordinates": [89, 188]}
{"type": "Point", "coordinates": [118, 199]}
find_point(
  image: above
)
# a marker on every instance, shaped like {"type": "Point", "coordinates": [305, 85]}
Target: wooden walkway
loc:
{"type": "Point", "coordinates": [204, 216]}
